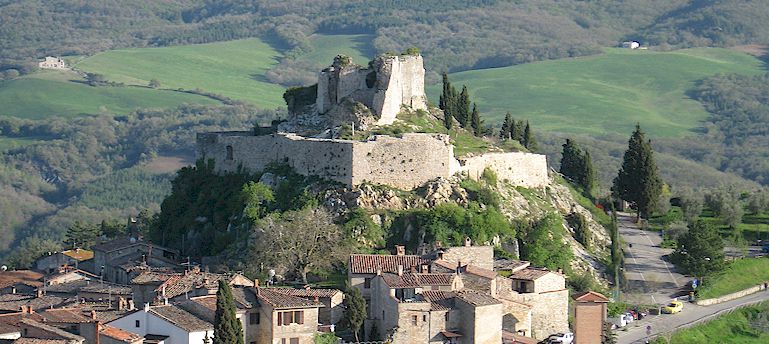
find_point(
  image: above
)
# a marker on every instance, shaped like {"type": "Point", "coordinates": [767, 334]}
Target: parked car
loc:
{"type": "Point", "coordinates": [562, 338]}
{"type": "Point", "coordinates": [673, 307]}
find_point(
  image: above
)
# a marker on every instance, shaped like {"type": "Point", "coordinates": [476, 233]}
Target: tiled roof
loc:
{"type": "Point", "coordinates": [65, 315]}
{"type": "Point", "coordinates": [590, 296]}
{"type": "Point", "coordinates": [119, 334]}
{"type": "Point", "coordinates": [13, 302]}
{"type": "Point", "coordinates": [71, 287]}
{"type": "Point", "coordinates": [439, 300]}
{"type": "Point", "coordinates": [41, 341]}
{"type": "Point", "coordinates": [115, 289]}
{"type": "Point", "coordinates": [26, 277]}
{"type": "Point", "coordinates": [14, 319]}
{"type": "Point", "coordinates": [469, 269]}
{"type": "Point", "coordinates": [418, 280]}
{"type": "Point", "coordinates": [277, 299]}
{"type": "Point", "coordinates": [245, 297]}
{"type": "Point", "coordinates": [530, 273]}
{"type": "Point", "coordinates": [51, 330]}
{"type": "Point", "coordinates": [178, 285]}
{"type": "Point", "coordinates": [153, 277]}
{"type": "Point", "coordinates": [181, 318]}
{"type": "Point", "coordinates": [78, 254]}
{"type": "Point", "coordinates": [309, 293]}
{"type": "Point", "coordinates": [510, 264]}
{"type": "Point", "coordinates": [371, 263]}
{"type": "Point", "coordinates": [476, 298]}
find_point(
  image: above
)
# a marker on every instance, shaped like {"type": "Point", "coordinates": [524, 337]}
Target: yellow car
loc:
{"type": "Point", "coordinates": [673, 307]}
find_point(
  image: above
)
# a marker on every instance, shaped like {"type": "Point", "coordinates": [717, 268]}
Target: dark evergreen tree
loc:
{"type": "Point", "coordinates": [448, 121]}
{"type": "Point", "coordinates": [528, 138]}
{"type": "Point", "coordinates": [356, 310]}
{"type": "Point", "coordinates": [475, 122]}
{"type": "Point", "coordinates": [82, 235]}
{"type": "Point", "coordinates": [227, 328]}
{"type": "Point", "coordinates": [588, 175]}
{"type": "Point", "coordinates": [638, 180]}
{"type": "Point", "coordinates": [463, 107]}
{"type": "Point", "coordinates": [576, 165]}
{"type": "Point", "coordinates": [700, 250]}
{"type": "Point", "coordinates": [507, 126]}
{"type": "Point", "coordinates": [516, 131]}
{"type": "Point", "coordinates": [446, 92]}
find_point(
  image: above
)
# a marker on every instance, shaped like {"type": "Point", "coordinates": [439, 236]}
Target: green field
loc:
{"type": "Point", "coordinates": [606, 93]}
{"type": "Point", "coordinates": [50, 93]}
{"type": "Point", "coordinates": [234, 69]}
{"type": "Point", "coordinates": [742, 326]}
{"type": "Point", "coordinates": [325, 47]}
{"type": "Point", "coordinates": [741, 274]}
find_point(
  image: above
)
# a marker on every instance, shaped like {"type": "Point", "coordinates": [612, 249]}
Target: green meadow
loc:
{"type": "Point", "coordinates": [52, 93]}
{"type": "Point", "coordinates": [606, 93]}
{"type": "Point", "coordinates": [234, 69]}
{"type": "Point", "coordinates": [325, 47]}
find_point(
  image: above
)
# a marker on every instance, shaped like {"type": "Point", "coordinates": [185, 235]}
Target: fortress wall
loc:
{"type": "Point", "coordinates": [323, 99]}
{"type": "Point", "coordinates": [523, 169]}
{"type": "Point", "coordinates": [413, 75]}
{"type": "Point", "coordinates": [351, 79]}
{"type": "Point", "coordinates": [329, 159]}
{"type": "Point", "coordinates": [404, 163]}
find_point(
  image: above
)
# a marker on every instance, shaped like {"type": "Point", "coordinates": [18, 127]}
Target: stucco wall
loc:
{"type": "Point", "coordinates": [588, 322]}
{"type": "Point", "coordinates": [518, 168]}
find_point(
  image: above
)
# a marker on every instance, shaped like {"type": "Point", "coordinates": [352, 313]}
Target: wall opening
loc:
{"type": "Point", "coordinates": [229, 153]}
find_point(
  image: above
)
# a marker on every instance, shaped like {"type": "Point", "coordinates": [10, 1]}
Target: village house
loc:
{"type": "Point", "coordinates": [160, 287]}
{"type": "Point", "coordinates": [20, 282]}
{"type": "Point", "coordinates": [51, 62]}
{"type": "Point", "coordinates": [542, 290]}
{"type": "Point", "coordinates": [167, 323]}
{"type": "Point", "coordinates": [27, 326]}
{"type": "Point", "coordinates": [120, 260]}
{"type": "Point", "coordinates": [55, 261]}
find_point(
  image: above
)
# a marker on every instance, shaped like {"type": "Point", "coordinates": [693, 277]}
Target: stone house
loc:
{"type": "Point", "coordinates": [332, 299]}
{"type": "Point", "coordinates": [20, 282]}
{"type": "Point", "coordinates": [363, 268]}
{"type": "Point", "coordinates": [589, 317]}
{"type": "Point", "coordinates": [119, 260]}
{"type": "Point", "coordinates": [161, 287]}
{"type": "Point", "coordinates": [167, 323]}
{"type": "Point", "coordinates": [545, 292]}
{"type": "Point", "coordinates": [52, 62]}
{"type": "Point", "coordinates": [55, 261]}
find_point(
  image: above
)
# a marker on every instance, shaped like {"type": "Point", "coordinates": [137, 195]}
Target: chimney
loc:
{"type": "Point", "coordinates": [400, 250]}
{"type": "Point", "coordinates": [425, 268]}
{"type": "Point", "coordinates": [93, 314]}
{"type": "Point", "coordinates": [468, 242]}
{"type": "Point", "coordinates": [39, 292]}
{"type": "Point", "coordinates": [121, 303]}
{"type": "Point", "coordinates": [30, 310]}
{"type": "Point", "coordinates": [23, 310]}
{"type": "Point", "coordinates": [13, 290]}
{"type": "Point", "coordinates": [379, 272]}
{"type": "Point", "coordinates": [307, 287]}
{"type": "Point", "coordinates": [316, 299]}
{"type": "Point", "coordinates": [97, 327]}
{"type": "Point", "coordinates": [131, 305]}
{"type": "Point", "coordinates": [147, 307]}
{"type": "Point", "coordinates": [413, 269]}
{"type": "Point", "coordinates": [400, 270]}
{"type": "Point", "coordinates": [440, 254]}
{"type": "Point", "coordinates": [256, 283]}
{"type": "Point", "coordinates": [459, 267]}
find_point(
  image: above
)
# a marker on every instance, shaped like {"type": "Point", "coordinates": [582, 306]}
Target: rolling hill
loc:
{"type": "Point", "coordinates": [606, 93]}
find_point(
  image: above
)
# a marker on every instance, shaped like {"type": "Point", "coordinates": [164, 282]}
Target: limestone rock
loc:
{"type": "Point", "coordinates": [444, 190]}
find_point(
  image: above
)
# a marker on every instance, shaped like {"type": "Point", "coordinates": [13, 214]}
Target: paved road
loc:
{"type": "Point", "coordinates": [692, 314]}
{"type": "Point", "coordinates": [651, 280]}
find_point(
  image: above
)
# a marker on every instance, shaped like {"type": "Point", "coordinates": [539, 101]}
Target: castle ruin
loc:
{"type": "Point", "coordinates": [406, 162]}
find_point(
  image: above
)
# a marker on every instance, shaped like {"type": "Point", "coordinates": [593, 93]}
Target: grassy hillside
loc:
{"type": "Point", "coordinates": [607, 93]}
{"type": "Point", "coordinates": [49, 94]}
{"type": "Point", "coordinates": [234, 69]}
{"type": "Point", "coordinates": [743, 326]}
{"type": "Point", "coordinates": [325, 47]}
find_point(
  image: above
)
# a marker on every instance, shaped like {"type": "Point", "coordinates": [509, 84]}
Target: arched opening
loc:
{"type": "Point", "coordinates": [229, 152]}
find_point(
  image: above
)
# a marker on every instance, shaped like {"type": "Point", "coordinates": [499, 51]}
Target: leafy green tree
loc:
{"type": "Point", "coordinates": [475, 122]}
{"type": "Point", "coordinates": [356, 310]}
{"type": "Point", "coordinates": [691, 205]}
{"type": "Point", "coordinates": [608, 336]}
{"type": "Point", "coordinates": [507, 125]}
{"type": "Point", "coordinates": [325, 338]}
{"type": "Point", "coordinates": [543, 244]}
{"type": "Point", "coordinates": [528, 138]}
{"type": "Point", "coordinates": [255, 195]}
{"type": "Point", "coordinates": [700, 250]}
{"type": "Point", "coordinates": [638, 179]}
{"type": "Point", "coordinates": [227, 328]}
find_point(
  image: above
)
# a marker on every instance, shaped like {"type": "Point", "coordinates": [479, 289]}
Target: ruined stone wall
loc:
{"type": "Point", "coordinates": [480, 256]}
{"type": "Point", "coordinates": [518, 168]}
{"type": "Point", "coordinates": [404, 163]}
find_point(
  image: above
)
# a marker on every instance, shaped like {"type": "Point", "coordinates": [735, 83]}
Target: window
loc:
{"type": "Point", "coordinates": [367, 283]}
{"type": "Point", "coordinates": [253, 318]}
{"type": "Point", "coordinates": [414, 320]}
{"type": "Point", "coordinates": [290, 317]}
{"type": "Point", "coordinates": [282, 340]}
{"type": "Point", "coordinates": [424, 318]}
{"type": "Point", "coordinates": [137, 323]}
{"type": "Point", "coordinates": [446, 317]}
{"type": "Point", "coordinates": [229, 152]}
{"type": "Point", "coordinates": [294, 341]}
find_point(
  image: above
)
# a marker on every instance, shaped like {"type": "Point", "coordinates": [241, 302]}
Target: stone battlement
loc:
{"type": "Point", "coordinates": [403, 162]}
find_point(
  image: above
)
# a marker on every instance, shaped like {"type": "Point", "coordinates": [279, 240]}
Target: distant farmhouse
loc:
{"type": "Point", "coordinates": [52, 62]}
{"type": "Point", "coordinates": [631, 45]}
{"type": "Point", "coordinates": [348, 93]}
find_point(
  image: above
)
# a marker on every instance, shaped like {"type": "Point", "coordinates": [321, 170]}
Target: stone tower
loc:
{"type": "Point", "coordinates": [389, 82]}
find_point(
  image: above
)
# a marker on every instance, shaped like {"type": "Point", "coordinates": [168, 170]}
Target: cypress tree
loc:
{"type": "Point", "coordinates": [448, 120]}
{"type": "Point", "coordinates": [516, 131]}
{"type": "Point", "coordinates": [475, 122]}
{"type": "Point", "coordinates": [528, 138]}
{"type": "Point", "coordinates": [504, 132]}
{"type": "Point", "coordinates": [570, 157]}
{"type": "Point", "coordinates": [356, 310]}
{"type": "Point", "coordinates": [638, 179]}
{"type": "Point", "coordinates": [588, 174]}
{"type": "Point", "coordinates": [463, 107]}
{"type": "Point", "coordinates": [227, 328]}
{"type": "Point", "coordinates": [446, 92]}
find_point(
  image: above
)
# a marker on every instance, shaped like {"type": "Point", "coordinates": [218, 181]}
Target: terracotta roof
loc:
{"type": "Point", "coordinates": [590, 296]}
{"type": "Point", "coordinates": [113, 288]}
{"type": "Point", "coordinates": [439, 300]}
{"type": "Point", "coordinates": [468, 269]}
{"type": "Point", "coordinates": [65, 315]}
{"type": "Point", "coordinates": [180, 284]}
{"type": "Point", "coordinates": [277, 299]}
{"type": "Point", "coordinates": [181, 318]}
{"type": "Point", "coordinates": [530, 273]}
{"type": "Point", "coordinates": [14, 319]}
{"type": "Point", "coordinates": [476, 298]}
{"type": "Point", "coordinates": [245, 297]}
{"type": "Point", "coordinates": [51, 330]}
{"type": "Point", "coordinates": [119, 334]}
{"type": "Point", "coordinates": [311, 293]}
{"type": "Point", "coordinates": [41, 341]}
{"type": "Point", "coordinates": [78, 254]}
{"type": "Point", "coordinates": [71, 287]}
{"type": "Point", "coordinates": [418, 280]}
{"type": "Point", "coordinates": [371, 263]}
{"type": "Point", "coordinates": [153, 277]}
{"type": "Point", "coordinates": [26, 277]}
